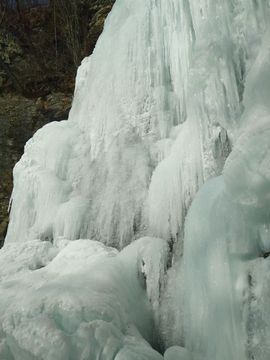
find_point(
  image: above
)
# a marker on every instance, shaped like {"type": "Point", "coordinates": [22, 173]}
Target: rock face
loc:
{"type": "Point", "coordinates": [33, 90]}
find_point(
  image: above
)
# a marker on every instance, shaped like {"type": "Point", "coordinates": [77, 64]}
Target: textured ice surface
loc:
{"type": "Point", "coordinates": [83, 301]}
{"type": "Point", "coordinates": [177, 353]}
{"type": "Point", "coordinates": [176, 93]}
{"type": "Point", "coordinates": [227, 237]}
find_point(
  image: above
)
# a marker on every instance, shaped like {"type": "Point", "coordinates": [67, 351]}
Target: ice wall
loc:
{"type": "Point", "coordinates": [226, 244]}
{"type": "Point", "coordinates": [226, 249]}
{"type": "Point", "coordinates": [176, 93]}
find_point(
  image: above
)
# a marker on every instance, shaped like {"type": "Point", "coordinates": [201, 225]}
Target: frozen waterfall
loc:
{"type": "Point", "coordinates": [142, 222]}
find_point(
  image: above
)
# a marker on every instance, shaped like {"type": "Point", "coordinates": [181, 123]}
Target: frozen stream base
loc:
{"type": "Point", "coordinates": [80, 300]}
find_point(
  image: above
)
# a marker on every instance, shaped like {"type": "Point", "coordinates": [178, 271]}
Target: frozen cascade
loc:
{"type": "Point", "coordinates": [174, 99]}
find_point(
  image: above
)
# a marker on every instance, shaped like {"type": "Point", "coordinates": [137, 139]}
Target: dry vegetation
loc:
{"type": "Point", "coordinates": [41, 46]}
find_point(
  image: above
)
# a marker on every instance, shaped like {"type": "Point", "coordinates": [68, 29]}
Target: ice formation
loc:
{"type": "Point", "coordinates": [78, 300]}
{"type": "Point", "coordinates": [168, 142]}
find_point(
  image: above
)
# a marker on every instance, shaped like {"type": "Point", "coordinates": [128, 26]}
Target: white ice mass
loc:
{"type": "Point", "coordinates": [142, 222]}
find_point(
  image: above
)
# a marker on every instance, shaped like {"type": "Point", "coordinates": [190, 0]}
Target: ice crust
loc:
{"type": "Point", "coordinates": [176, 353]}
{"type": "Point", "coordinates": [168, 140]}
{"type": "Point", "coordinates": [87, 302]}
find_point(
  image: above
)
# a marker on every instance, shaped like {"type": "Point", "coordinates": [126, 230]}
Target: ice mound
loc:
{"type": "Point", "coordinates": [79, 300]}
